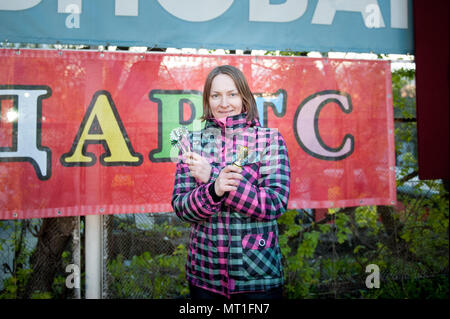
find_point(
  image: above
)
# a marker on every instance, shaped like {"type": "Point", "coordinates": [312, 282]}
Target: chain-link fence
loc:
{"type": "Point", "coordinates": [326, 257]}
{"type": "Point", "coordinates": [145, 256]}
{"type": "Point", "coordinates": [34, 255]}
{"type": "Point", "coordinates": [323, 257]}
{"type": "Point", "coordinates": [376, 252]}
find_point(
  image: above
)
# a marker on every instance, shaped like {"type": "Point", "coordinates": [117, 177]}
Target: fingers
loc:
{"type": "Point", "coordinates": [187, 157]}
{"type": "Point", "coordinates": [198, 166]}
{"type": "Point", "coordinates": [234, 177]}
{"type": "Point", "coordinates": [232, 168]}
{"type": "Point", "coordinates": [231, 172]}
{"type": "Point", "coordinates": [228, 185]}
{"type": "Point", "coordinates": [222, 186]}
{"type": "Point", "coordinates": [193, 158]}
{"type": "Point", "coordinates": [228, 179]}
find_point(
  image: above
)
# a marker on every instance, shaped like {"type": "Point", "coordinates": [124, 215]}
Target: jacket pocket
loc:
{"type": "Point", "coordinates": [260, 255]}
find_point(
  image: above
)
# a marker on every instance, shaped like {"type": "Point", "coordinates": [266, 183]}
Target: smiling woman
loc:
{"type": "Point", "coordinates": [227, 93]}
{"type": "Point", "coordinates": [224, 99]}
{"type": "Point", "coordinates": [233, 200]}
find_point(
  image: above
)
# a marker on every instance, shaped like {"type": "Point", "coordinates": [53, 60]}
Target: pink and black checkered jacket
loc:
{"type": "Point", "coordinates": [233, 243]}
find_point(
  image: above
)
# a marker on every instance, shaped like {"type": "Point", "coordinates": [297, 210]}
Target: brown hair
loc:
{"type": "Point", "coordinates": [248, 100]}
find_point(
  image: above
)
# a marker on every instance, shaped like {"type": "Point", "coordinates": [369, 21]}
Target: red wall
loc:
{"type": "Point", "coordinates": [431, 25]}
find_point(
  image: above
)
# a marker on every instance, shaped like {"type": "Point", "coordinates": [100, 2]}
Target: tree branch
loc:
{"type": "Point", "coordinates": [408, 177]}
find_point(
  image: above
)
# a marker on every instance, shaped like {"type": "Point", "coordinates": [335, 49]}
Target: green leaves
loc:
{"type": "Point", "coordinates": [146, 276]}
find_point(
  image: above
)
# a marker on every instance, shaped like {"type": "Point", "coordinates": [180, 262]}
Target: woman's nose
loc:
{"type": "Point", "coordinates": [223, 101]}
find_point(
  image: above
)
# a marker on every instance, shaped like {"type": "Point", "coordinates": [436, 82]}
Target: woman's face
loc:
{"type": "Point", "coordinates": [224, 98]}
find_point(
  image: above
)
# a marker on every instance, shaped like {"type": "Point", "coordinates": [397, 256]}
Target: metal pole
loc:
{"type": "Point", "coordinates": [76, 257]}
{"type": "Point", "coordinates": [93, 256]}
{"type": "Point", "coordinates": [106, 219]}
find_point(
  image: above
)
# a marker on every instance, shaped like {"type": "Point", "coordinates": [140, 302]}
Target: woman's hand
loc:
{"type": "Point", "coordinates": [228, 180]}
{"type": "Point", "coordinates": [199, 166]}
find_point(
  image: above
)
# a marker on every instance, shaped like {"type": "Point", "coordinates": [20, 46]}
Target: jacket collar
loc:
{"type": "Point", "coordinates": [233, 122]}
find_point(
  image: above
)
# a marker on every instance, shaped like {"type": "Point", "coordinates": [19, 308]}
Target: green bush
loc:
{"type": "Point", "coordinates": [146, 276]}
{"type": "Point", "coordinates": [330, 259]}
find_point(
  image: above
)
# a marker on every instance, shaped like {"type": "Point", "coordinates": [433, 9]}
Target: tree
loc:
{"type": "Point", "coordinates": [53, 238]}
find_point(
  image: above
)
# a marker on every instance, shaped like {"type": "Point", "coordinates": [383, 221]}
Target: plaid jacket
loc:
{"type": "Point", "coordinates": [233, 243]}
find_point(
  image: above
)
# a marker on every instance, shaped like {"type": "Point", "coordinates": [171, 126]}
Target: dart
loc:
{"type": "Point", "coordinates": [177, 135]}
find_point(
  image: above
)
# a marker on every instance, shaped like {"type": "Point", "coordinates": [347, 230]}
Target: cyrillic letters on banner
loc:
{"type": "Point", "coordinates": [88, 132]}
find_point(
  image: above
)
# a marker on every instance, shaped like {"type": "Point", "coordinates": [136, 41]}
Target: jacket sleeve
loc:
{"type": "Point", "coordinates": [192, 201]}
{"type": "Point", "coordinates": [264, 191]}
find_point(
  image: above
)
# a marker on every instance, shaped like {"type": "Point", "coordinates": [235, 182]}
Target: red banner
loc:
{"type": "Point", "coordinates": [85, 132]}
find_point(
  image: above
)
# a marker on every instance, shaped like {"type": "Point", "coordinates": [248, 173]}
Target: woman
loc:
{"type": "Point", "coordinates": [233, 203]}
